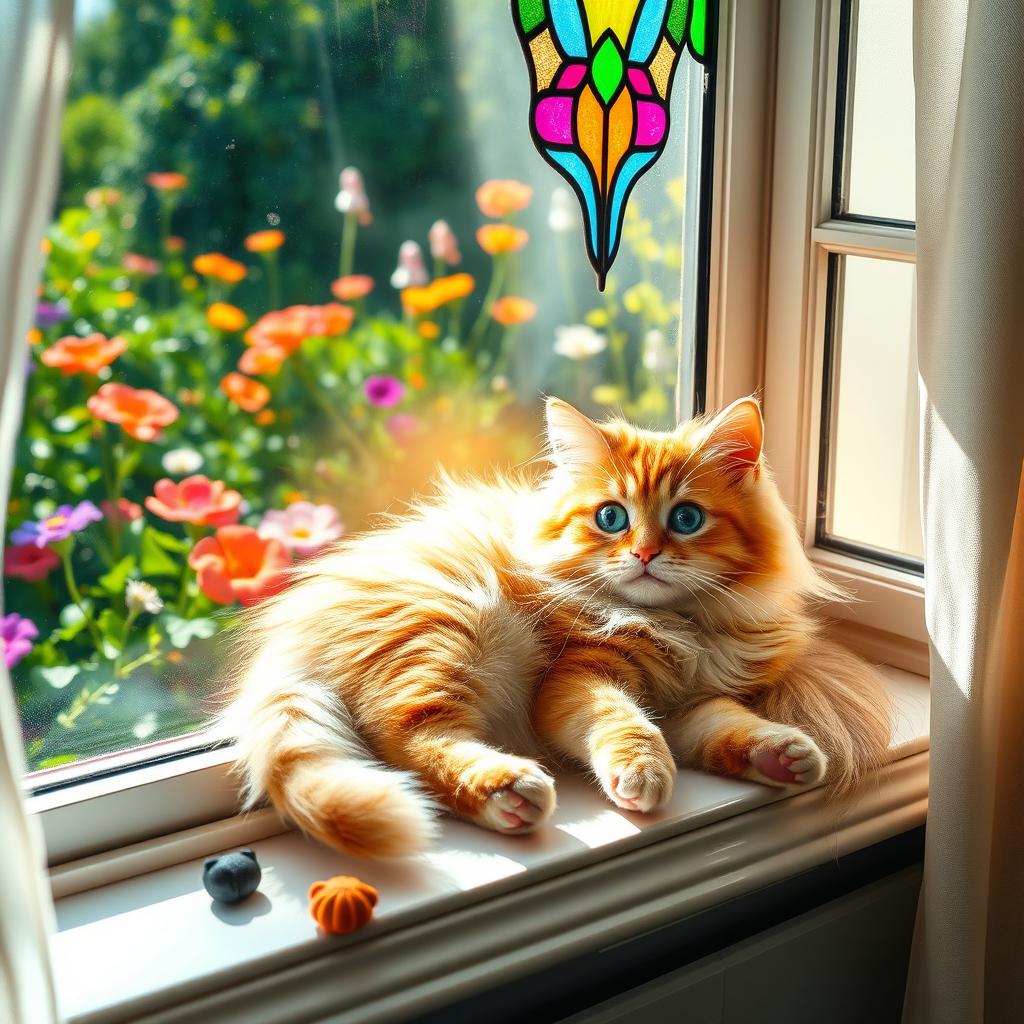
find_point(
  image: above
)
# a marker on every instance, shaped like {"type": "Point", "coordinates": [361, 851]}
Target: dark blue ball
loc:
{"type": "Point", "coordinates": [232, 877]}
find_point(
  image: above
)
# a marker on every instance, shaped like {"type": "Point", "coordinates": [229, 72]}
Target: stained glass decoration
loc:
{"type": "Point", "coordinates": [601, 75]}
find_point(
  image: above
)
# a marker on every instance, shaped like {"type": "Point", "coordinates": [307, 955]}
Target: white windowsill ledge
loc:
{"type": "Point", "coordinates": [479, 909]}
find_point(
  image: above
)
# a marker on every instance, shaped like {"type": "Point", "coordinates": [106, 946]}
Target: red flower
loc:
{"type": "Point", "coordinates": [197, 499]}
{"type": "Point", "coordinates": [126, 511]}
{"type": "Point", "coordinates": [237, 564]}
{"type": "Point", "coordinates": [28, 562]}
{"type": "Point", "coordinates": [141, 412]}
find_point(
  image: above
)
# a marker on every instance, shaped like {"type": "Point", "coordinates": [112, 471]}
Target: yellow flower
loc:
{"type": "Point", "coordinates": [34, 336]}
{"type": "Point", "coordinates": [124, 300]}
{"type": "Point", "coordinates": [189, 282]}
{"type": "Point", "coordinates": [500, 238]}
{"type": "Point", "coordinates": [606, 394]}
{"type": "Point", "coordinates": [90, 240]}
{"type": "Point", "coordinates": [676, 190]}
{"type": "Point", "coordinates": [429, 330]}
{"type": "Point", "coordinates": [597, 318]}
{"type": "Point", "coordinates": [46, 247]}
{"type": "Point", "coordinates": [226, 317]}
{"type": "Point", "coordinates": [290, 497]}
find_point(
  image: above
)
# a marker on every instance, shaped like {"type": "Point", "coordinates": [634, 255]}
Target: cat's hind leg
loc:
{"type": "Point", "coordinates": [722, 736]}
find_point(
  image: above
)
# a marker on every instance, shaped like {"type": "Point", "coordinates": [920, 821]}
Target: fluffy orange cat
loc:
{"type": "Point", "coordinates": [646, 603]}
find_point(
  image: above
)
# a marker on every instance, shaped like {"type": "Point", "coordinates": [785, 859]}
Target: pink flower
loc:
{"type": "Point", "coordinates": [302, 527]}
{"type": "Point", "coordinates": [383, 391]}
{"type": "Point", "coordinates": [402, 426]}
{"type": "Point", "coordinates": [16, 636]}
{"type": "Point", "coordinates": [137, 264]}
{"type": "Point", "coordinates": [28, 562]}
{"type": "Point", "coordinates": [197, 499]}
{"type": "Point", "coordinates": [126, 511]}
{"type": "Point", "coordinates": [411, 271]}
{"type": "Point", "coordinates": [444, 245]}
{"type": "Point", "coordinates": [352, 195]}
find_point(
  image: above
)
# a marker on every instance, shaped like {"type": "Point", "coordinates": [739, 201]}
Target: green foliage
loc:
{"type": "Point", "coordinates": [96, 138]}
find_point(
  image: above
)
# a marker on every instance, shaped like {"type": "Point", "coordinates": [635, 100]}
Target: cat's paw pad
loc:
{"type": "Point", "coordinates": [640, 779]}
{"type": "Point", "coordinates": [788, 758]}
{"type": "Point", "coordinates": [524, 800]}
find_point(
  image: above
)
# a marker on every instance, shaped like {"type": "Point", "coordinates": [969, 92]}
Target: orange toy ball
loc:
{"type": "Point", "coordinates": [342, 904]}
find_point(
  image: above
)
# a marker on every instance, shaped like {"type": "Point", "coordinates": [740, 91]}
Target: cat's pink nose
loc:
{"type": "Point", "coordinates": [645, 554]}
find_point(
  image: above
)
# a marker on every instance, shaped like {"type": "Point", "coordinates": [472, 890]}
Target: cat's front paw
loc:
{"type": "Point", "coordinates": [787, 757]}
{"type": "Point", "coordinates": [516, 795]}
{"type": "Point", "coordinates": [636, 771]}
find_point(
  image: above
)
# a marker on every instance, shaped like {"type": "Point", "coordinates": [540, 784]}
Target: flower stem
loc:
{"type": "Point", "coordinates": [128, 623]}
{"type": "Point", "coordinates": [349, 232]}
{"type": "Point", "coordinates": [476, 333]}
{"type": "Point", "coordinates": [273, 279]}
{"type": "Point", "coordinates": [76, 596]}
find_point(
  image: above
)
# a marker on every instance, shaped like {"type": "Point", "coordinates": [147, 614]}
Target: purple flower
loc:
{"type": "Point", "coordinates": [59, 526]}
{"type": "Point", "coordinates": [49, 314]}
{"type": "Point", "coordinates": [16, 636]}
{"type": "Point", "coordinates": [383, 392]}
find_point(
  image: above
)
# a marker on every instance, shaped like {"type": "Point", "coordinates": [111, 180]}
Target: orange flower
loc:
{"type": "Point", "coordinates": [429, 330]}
{"type": "Point", "coordinates": [287, 329]}
{"type": "Point", "coordinates": [499, 198]}
{"type": "Point", "coordinates": [246, 393]}
{"type": "Point", "coordinates": [83, 355]}
{"type": "Point", "coordinates": [226, 317]}
{"type": "Point", "coordinates": [34, 336]}
{"type": "Point", "coordinates": [439, 292]}
{"type": "Point", "coordinates": [499, 238]}
{"type": "Point", "coordinates": [265, 417]}
{"type": "Point", "coordinates": [175, 244]}
{"type": "Point", "coordinates": [167, 181]}
{"type": "Point", "coordinates": [262, 359]}
{"type": "Point", "coordinates": [513, 310]}
{"type": "Point", "coordinates": [237, 564]}
{"type": "Point", "coordinates": [196, 499]}
{"type": "Point", "coordinates": [219, 266]}
{"type": "Point", "coordinates": [417, 380]}
{"type": "Point", "coordinates": [140, 412]}
{"type": "Point", "coordinates": [352, 287]}
{"type": "Point", "coordinates": [264, 241]}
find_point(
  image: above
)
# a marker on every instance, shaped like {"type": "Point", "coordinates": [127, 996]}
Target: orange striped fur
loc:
{"type": "Point", "coordinates": [448, 658]}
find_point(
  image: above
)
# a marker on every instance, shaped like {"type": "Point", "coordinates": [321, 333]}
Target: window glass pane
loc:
{"type": "Point", "coordinates": [874, 472]}
{"type": "Point", "coordinates": [880, 111]}
{"type": "Point", "coordinates": [200, 198]}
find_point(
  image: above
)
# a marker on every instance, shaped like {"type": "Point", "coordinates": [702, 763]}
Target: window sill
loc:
{"type": "Point", "coordinates": [595, 877]}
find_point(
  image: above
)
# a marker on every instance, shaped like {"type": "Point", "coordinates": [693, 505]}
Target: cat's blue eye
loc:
{"type": "Point", "coordinates": [686, 518]}
{"type": "Point", "coordinates": [611, 517]}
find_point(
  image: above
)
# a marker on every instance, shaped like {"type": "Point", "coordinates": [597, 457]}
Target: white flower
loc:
{"type": "Point", "coordinates": [657, 356]}
{"type": "Point", "coordinates": [181, 461]}
{"type": "Point", "coordinates": [579, 341]}
{"type": "Point", "coordinates": [303, 527]}
{"type": "Point", "coordinates": [140, 596]}
{"type": "Point", "coordinates": [411, 271]}
{"type": "Point", "coordinates": [444, 245]}
{"type": "Point", "coordinates": [352, 197]}
{"type": "Point", "coordinates": [562, 212]}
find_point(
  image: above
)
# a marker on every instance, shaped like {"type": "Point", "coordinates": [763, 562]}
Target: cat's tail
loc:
{"type": "Point", "coordinates": [838, 699]}
{"type": "Point", "coordinates": [298, 746]}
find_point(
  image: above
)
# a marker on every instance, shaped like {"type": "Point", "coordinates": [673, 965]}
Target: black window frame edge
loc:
{"type": "Point", "coordinates": [839, 140]}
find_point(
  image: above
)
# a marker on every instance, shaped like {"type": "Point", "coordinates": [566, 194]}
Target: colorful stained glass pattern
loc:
{"type": "Point", "coordinates": [601, 72]}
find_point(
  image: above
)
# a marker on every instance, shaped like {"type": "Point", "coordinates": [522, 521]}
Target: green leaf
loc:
{"type": "Point", "coordinates": [114, 581]}
{"type": "Point", "coordinates": [155, 560]}
{"type": "Point", "coordinates": [181, 632]}
{"type": "Point", "coordinates": [58, 676]}
{"type": "Point", "coordinates": [56, 761]}
{"type": "Point", "coordinates": [112, 627]}
{"type": "Point", "coordinates": [169, 542]}
{"type": "Point", "coordinates": [607, 69]}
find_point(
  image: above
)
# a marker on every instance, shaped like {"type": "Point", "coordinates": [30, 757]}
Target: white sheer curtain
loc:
{"type": "Point", "coordinates": [35, 58]}
{"type": "Point", "coordinates": [969, 71]}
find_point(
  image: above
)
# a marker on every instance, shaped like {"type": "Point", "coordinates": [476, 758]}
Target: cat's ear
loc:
{"type": "Point", "coordinates": [736, 434]}
{"type": "Point", "coordinates": [574, 439]}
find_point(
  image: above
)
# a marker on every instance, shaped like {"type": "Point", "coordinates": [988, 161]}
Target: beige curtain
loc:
{"type": "Point", "coordinates": [969, 68]}
{"type": "Point", "coordinates": [35, 58]}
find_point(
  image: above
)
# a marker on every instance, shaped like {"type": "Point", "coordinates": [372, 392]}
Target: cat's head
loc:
{"type": "Point", "coordinates": [667, 519]}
